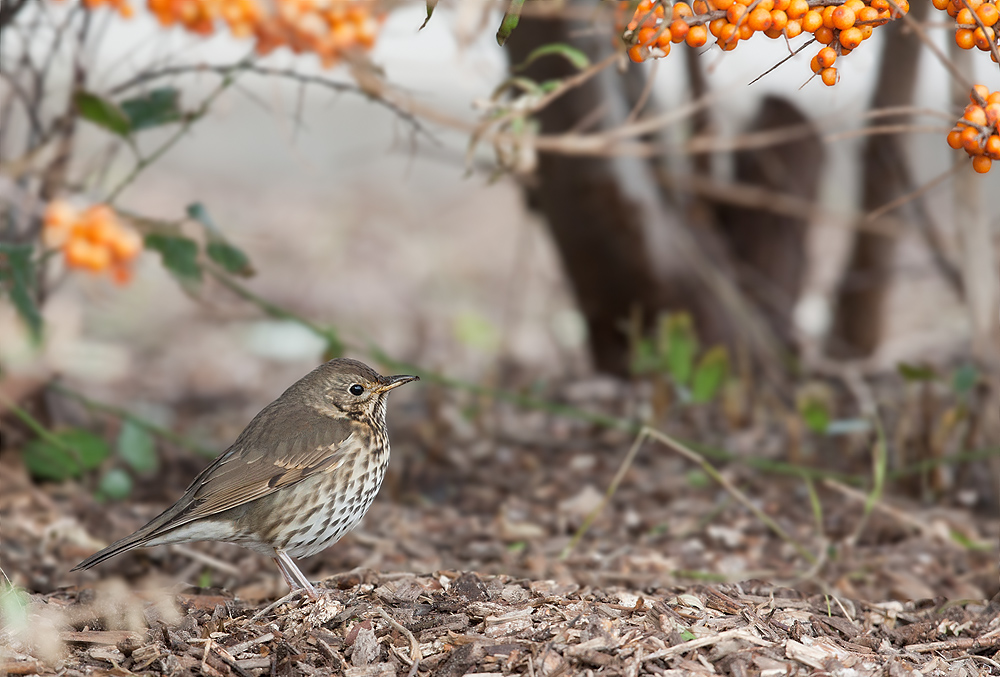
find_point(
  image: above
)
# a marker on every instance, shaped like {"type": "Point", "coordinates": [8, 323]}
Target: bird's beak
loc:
{"type": "Point", "coordinates": [395, 381]}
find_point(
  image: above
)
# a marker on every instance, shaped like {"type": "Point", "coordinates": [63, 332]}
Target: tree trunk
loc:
{"type": "Point", "coordinates": [620, 246]}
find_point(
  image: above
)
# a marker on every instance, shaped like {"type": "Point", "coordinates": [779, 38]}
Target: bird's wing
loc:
{"type": "Point", "coordinates": [261, 465]}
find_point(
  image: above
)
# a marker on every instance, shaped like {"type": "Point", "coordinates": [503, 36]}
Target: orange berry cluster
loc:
{"type": "Point", "coordinates": [974, 22]}
{"type": "Point", "coordinates": [327, 28]}
{"type": "Point", "coordinates": [94, 239]}
{"type": "Point", "coordinates": [841, 26]}
{"type": "Point", "coordinates": [977, 132]}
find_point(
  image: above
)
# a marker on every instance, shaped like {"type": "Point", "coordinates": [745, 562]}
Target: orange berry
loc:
{"type": "Point", "coordinates": [992, 111]}
{"type": "Point", "coordinates": [827, 56]}
{"type": "Point", "coordinates": [764, 4]}
{"type": "Point", "coordinates": [678, 30]}
{"type": "Point", "coordinates": [851, 37]}
{"type": "Point", "coordinates": [700, 7]}
{"type": "Point", "coordinates": [964, 38]}
{"type": "Point", "coordinates": [730, 45]}
{"type": "Point", "coordinates": [955, 139]}
{"type": "Point", "coordinates": [697, 36]}
{"type": "Point", "coordinates": [735, 13]}
{"type": "Point", "coordinates": [982, 164]}
{"type": "Point", "coordinates": [793, 29]}
{"type": "Point", "coordinates": [664, 38]}
{"type": "Point", "coordinates": [993, 146]}
{"type": "Point", "coordinates": [715, 27]}
{"type": "Point", "coordinates": [994, 97]}
{"type": "Point", "coordinates": [843, 18]}
{"type": "Point", "coordinates": [723, 4]}
{"type": "Point", "coordinates": [779, 19]}
{"type": "Point", "coordinates": [637, 53]}
{"type": "Point", "coordinates": [866, 15]}
{"type": "Point", "coordinates": [988, 13]}
{"type": "Point", "coordinates": [759, 19]}
{"type": "Point", "coordinates": [815, 65]}
{"type": "Point", "coordinates": [974, 115]}
{"type": "Point", "coordinates": [979, 94]}
{"type": "Point", "coordinates": [984, 39]}
{"type": "Point", "coordinates": [781, 5]}
{"type": "Point", "coordinates": [965, 17]}
{"type": "Point", "coordinates": [854, 5]}
{"type": "Point", "coordinates": [824, 35]}
{"type": "Point", "coordinates": [797, 9]}
{"type": "Point", "coordinates": [681, 10]}
{"type": "Point", "coordinates": [827, 14]}
{"type": "Point", "coordinates": [729, 34]}
{"type": "Point", "coordinates": [812, 21]}
{"type": "Point", "coordinates": [971, 141]}
{"type": "Point", "coordinates": [829, 76]}
{"type": "Point", "coordinates": [745, 31]}
{"type": "Point", "coordinates": [647, 36]}
{"type": "Point", "coordinates": [903, 8]}
{"type": "Point", "coordinates": [940, 4]}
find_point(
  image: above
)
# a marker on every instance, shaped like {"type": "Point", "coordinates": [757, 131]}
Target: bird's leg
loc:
{"type": "Point", "coordinates": [296, 579]}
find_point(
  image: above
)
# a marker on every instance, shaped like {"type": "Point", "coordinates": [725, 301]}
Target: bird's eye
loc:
{"type": "Point", "coordinates": [356, 390]}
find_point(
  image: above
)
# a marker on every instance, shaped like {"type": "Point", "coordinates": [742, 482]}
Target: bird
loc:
{"type": "Point", "coordinates": [302, 474]}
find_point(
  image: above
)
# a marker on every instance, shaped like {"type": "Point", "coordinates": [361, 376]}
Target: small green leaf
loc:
{"type": "Point", "coordinates": [431, 4]}
{"type": "Point", "coordinates": [67, 454]}
{"type": "Point", "coordinates": [678, 346]}
{"type": "Point", "coordinates": [916, 372]}
{"type": "Point", "coordinates": [510, 21]}
{"type": "Point", "coordinates": [179, 254]}
{"type": "Point", "coordinates": [697, 479]}
{"type": "Point", "coordinates": [103, 113]}
{"type": "Point", "coordinates": [205, 579]}
{"type": "Point", "coordinates": [232, 260]}
{"type": "Point", "coordinates": [568, 52]}
{"type": "Point", "coordinates": [815, 414]}
{"type": "Point", "coordinates": [137, 448]}
{"type": "Point", "coordinates": [709, 375]}
{"type": "Point", "coordinates": [115, 485]}
{"type": "Point", "coordinates": [687, 635]}
{"type": "Point", "coordinates": [155, 108]}
{"type": "Point", "coordinates": [17, 278]}
{"type": "Point", "coordinates": [964, 379]}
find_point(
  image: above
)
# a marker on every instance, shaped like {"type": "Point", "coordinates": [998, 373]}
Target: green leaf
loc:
{"type": "Point", "coordinates": [964, 379]}
{"type": "Point", "coordinates": [815, 414]}
{"type": "Point", "coordinates": [115, 485]}
{"type": "Point", "coordinates": [568, 52]}
{"type": "Point", "coordinates": [644, 358]}
{"type": "Point", "coordinates": [510, 21]}
{"type": "Point", "coordinates": [709, 375]}
{"type": "Point", "coordinates": [179, 254]}
{"type": "Point", "coordinates": [916, 372]}
{"type": "Point", "coordinates": [65, 454]}
{"type": "Point", "coordinates": [17, 277]}
{"type": "Point", "coordinates": [678, 346]}
{"type": "Point", "coordinates": [431, 4]}
{"type": "Point", "coordinates": [232, 259]}
{"type": "Point", "coordinates": [103, 113]}
{"type": "Point", "coordinates": [155, 108]}
{"type": "Point", "coordinates": [137, 448]}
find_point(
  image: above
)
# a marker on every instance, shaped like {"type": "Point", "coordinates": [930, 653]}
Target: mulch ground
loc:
{"type": "Point", "coordinates": [462, 567]}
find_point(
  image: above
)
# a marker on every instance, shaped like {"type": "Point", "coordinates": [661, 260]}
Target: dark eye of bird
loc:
{"type": "Point", "coordinates": [356, 390]}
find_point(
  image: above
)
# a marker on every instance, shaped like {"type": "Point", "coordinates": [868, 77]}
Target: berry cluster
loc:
{"type": "Point", "coordinates": [841, 27]}
{"type": "Point", "coordinates": [977, 132]}
{"type": "Point", "coordinates": [94, 239]}
{"type": "Point", "coordinates": [974, 22]}
{"type": "Point", "coordinates": [327, 28]}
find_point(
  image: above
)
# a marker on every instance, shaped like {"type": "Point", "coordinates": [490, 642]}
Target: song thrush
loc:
{"type": "Point", "coordinates": [300, 476]}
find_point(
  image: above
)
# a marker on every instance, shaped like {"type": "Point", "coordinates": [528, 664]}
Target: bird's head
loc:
{"type": "Point", "coordinates": [347, 388]}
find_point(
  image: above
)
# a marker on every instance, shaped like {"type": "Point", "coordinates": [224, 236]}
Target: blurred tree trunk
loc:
{"type": "Point", "coordinates": [770, 248]}
{"type": "Point", "coordinates": [860, 306]}
{"type": "Point", "coordinates": [621, 247]}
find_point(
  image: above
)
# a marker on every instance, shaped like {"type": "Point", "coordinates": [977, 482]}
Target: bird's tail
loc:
{"type": "Point", "coordinates": [151, 534]}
